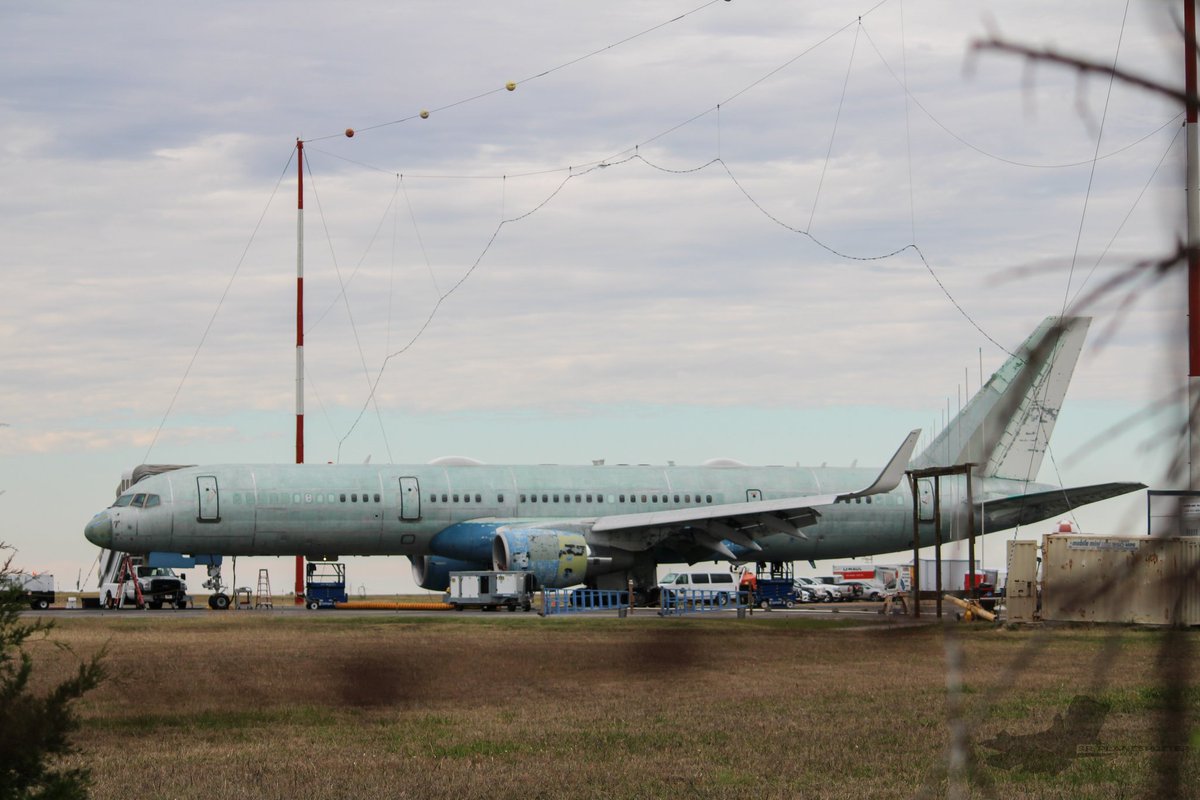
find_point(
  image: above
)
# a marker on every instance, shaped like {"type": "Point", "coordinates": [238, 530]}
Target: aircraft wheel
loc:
{"type": "Point", "coordinates": [219, 601]}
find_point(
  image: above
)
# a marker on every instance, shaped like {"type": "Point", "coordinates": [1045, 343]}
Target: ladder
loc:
{"type": "Point", "coordinates": [128, 573]}
{"type": "Point", "coordinates": [262, 598]}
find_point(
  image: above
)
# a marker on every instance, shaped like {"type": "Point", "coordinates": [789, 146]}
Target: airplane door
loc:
{"type": "Point", "coordinates": [753, 495]}
{"type": "Point", "coordinates": [925, 491]}
{"type": "Point", "coordinates": [209, 503]}
{"type": "Point", "coordinates": [410, 499]}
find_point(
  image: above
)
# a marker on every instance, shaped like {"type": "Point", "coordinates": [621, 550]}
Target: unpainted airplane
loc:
{"type": "Point", "coordinates": [607, 525]}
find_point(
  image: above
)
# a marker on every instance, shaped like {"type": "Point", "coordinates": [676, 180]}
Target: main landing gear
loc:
{"type": "Point", "coordinates": [218, 600]}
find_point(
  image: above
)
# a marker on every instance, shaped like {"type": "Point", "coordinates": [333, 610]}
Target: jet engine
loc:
{"type": "Point", "coordinates": [556, 558]}
{"type": "Point", "coordinates": [433, 572]}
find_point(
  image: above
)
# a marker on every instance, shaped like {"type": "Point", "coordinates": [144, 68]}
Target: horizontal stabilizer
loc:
{"type": "Point", "coordinates": [1028, 508]}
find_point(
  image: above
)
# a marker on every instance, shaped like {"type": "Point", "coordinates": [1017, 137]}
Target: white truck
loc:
{"type": "Point", "coordinates": [159, 586]}
{"type": "Point", "coordinates": [38, 588]}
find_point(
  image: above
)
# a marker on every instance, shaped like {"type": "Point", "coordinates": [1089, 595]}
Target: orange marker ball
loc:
{"type": "Point", "coordinates": [349, 133]}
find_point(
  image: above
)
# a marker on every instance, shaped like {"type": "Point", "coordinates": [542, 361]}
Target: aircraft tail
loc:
{"type": "Point", "coordinates": [1005, 427]}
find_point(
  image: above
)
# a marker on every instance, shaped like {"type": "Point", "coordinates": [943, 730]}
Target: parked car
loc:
{"type": "Point", "coordinates": [842, 592]}
{"type": "Point", "coordinates": [826, 592]}
{"type": "Point", "coordinates": [866, 589]}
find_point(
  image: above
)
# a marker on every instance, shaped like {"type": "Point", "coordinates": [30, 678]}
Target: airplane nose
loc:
{"type": "Point", "coordinates": [99, 531]}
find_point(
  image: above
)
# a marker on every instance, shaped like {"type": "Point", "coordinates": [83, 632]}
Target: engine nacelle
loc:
{"type": "Point", "coordinates": [556, 558]}
{"type": "Point", "coordinates": [433, 572]}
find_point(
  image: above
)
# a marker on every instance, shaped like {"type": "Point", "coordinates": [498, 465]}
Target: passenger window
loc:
{"type": "Point", "coordinates": [522, 498]}
{"type": "Point", "coordinates": [478, 499]}
{"type": "Point", "coordinates": [556, 498]}
{"type": "Point", "coordinates": [354, 498]}
{"type": "Point", "coordinates": [377, 498]}
{"type": "Point", "coordinates": [308, 498]}
{"type": "Point", "coordinates": [444, 500]}
{"type": "Point", "coordinates": [643, 498]}
{"type": "Point", "coordinates": [566, 498]}
{"type": "Point", "coordinates": [456, 498]}
{"type": "Point", "coordinates": [687, 498]}
{"type": "Point", "coordinates": [343, 498]}
{"type": "Point", "coordinates": [622, 498]}
{"type": "Point", "coordinates": [296, 498]}
{"type": "Point", "coordinates": [699, 579]}
{"type": "Point", "coordinates": [708, 498]}
{"type": "Point", "coordinates": [654, 498]}
{"type": "Point", "coordinates": [676, 498]}
{"type": "Point", "coordinates": [577, 499]}
{"type": "Point", "coordinates": [533, 498]}
{"type": "Point", "coordinates": [545, 498]}
{"type": "Point", "coordinates": [589, 498]}
{"type": "Point", "coordinates": [433, 498]}
{"type": "Point", "coordinates": [499, 498]}
{"type": "Point", "coordinates": [320, 498]}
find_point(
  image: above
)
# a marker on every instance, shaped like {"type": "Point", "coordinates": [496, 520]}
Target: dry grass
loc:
{"type": "Point", "coordinates": [286, 706]}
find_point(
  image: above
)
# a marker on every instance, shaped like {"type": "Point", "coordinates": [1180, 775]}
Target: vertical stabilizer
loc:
{"type": "Point", "coordinates": [1006, 425]}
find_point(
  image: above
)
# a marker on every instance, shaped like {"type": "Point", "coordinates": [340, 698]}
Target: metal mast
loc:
{"type": "Point", "coordinates": [299, 587]}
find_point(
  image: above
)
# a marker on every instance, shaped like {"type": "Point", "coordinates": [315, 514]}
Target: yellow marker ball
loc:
{"type": "Point", "coordinates": [424, 114]}
{"type": "Point", "coordinates": [510, 86]}
{"type": "Point", "coordinates": [349, 133]}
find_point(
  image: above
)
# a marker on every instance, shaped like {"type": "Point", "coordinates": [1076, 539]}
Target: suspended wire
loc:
{"type": "Point", "coordinates": [1137, 201]}
{"type": "Point", "coordinates": [220, 302]}
{"type": "Point", "coordinates": [349, 312]}
{"type": "Point", "coordinates": [1092, 172]}
{"type": "Point", "coordinates": [1013, 162]}
{"type": "Point", "coordinates": [442, 297]}
{"type": "Point", "coordinates": [412, 215]}
{"type": "Point", "coordinates": [912, 204]}
{"type": "Point", "coordinates": [1053, 356]}
{"type": "Point", "coordinates": [358, 266]}
{"type": "Point", "coordinates": [533, 77]}
{"type": "Point", "coordinates": [840, 254]}
{"type": "Point", "coordinates": [836, 118]}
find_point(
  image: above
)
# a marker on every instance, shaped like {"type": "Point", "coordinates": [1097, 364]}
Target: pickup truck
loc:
{"type": "Point", "coordinates": [160, 586]}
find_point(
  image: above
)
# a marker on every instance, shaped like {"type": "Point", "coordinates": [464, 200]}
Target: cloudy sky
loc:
{"type": "Point", "coordinates": [650, 250]}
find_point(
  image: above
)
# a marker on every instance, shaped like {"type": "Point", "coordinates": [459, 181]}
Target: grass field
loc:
{"type": "Point", "coordinates": [328, 705]}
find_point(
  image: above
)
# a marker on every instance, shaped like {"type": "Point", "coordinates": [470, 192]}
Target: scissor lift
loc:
{"type": "Point", "coordinates": [325, 584]}
{"type": "Point", "coordinates": [776, 585]}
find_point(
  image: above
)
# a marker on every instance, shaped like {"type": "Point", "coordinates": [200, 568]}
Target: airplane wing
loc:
{"type": "Point", "coordinates": [740, 523]}
{"type": "Point", "coordinates": [1028, 508]}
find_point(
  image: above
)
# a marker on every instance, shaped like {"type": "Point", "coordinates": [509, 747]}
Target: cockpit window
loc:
{"type": "Point", "coordinates": [152, 500]}
{"type": "Point", "coordinates": [139, 500]}
{"type": "Point", "coordinates": [123, 500]}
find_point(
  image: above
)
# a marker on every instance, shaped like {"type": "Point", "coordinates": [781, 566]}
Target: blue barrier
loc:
{"type": "Point", "coordinates": [677, 602]}
{"type": "Point", "coordinates": [583, 601]}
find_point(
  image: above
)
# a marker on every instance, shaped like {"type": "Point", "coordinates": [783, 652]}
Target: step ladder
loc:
{"type": "Point", "coordinates": [129, 573]}
{"type": "Point", "coordinates": [262, 597]}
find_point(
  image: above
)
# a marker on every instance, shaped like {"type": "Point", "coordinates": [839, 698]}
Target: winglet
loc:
{"type": "Point", "coordinates": [891, 475]}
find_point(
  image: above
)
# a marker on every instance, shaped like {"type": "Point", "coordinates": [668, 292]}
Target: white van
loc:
{"type": "Point", "coordinates": [700, 582]}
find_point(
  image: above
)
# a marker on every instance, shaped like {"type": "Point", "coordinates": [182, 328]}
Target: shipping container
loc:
{"type": "Point", "coordinates": [1131, 579]}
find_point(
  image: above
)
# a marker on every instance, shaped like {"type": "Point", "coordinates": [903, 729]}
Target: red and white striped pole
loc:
{"type": "Point", "coordinates": [299, 588]}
